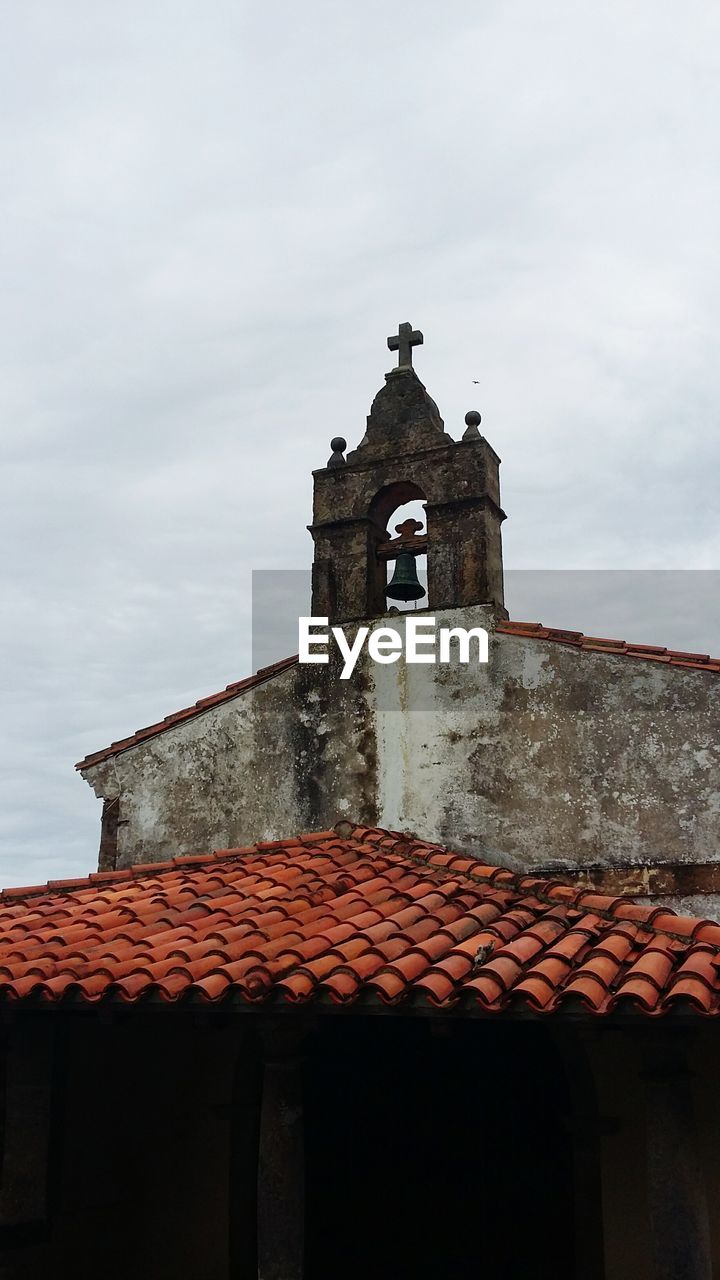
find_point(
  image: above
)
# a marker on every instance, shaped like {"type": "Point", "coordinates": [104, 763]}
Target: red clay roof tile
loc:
{"type": "Point", "coordinates": [203, 704]}
{"type": "Point", "coordinates": [278, 921]}
{"type": "Point", "coordinates": [599, 644]}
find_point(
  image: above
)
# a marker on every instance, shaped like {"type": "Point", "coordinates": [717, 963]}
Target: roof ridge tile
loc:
{"type": "Point", "coordinates": [261, 676]}
{"type": "Point", "coordinates": [604, 644]}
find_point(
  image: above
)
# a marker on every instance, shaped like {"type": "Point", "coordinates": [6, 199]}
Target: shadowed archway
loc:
{"type": "Point", "coordinates": [437, 1149]}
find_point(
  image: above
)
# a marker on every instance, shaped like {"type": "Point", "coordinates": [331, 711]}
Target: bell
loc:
{"type": "Point", "coordinates": [404, 584]}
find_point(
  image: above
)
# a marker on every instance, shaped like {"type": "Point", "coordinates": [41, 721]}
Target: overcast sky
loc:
{"type": "Point", "coordinates": [212, 216]}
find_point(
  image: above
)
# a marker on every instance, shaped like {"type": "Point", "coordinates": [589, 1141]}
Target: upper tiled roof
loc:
{"type": "Point", "coordinates": [530, 630]}
{"type": "Point", "coordinates": [187, 713]}
{"type": "Point", "coordinates": [598, 644]}
{"type": "Point", "coordinates": [345, 916]}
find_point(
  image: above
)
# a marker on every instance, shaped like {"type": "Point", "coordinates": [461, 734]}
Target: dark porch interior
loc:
{"type": "Point", "coordinates": [431, 1147]}
{"type": "Point", "coordinates": [436, 1149]}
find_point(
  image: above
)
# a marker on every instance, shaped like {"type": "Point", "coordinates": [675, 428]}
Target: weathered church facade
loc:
{"type": "Point", "coordinates": [591, 757]}
{"type": "Point", "coordinates": [403, 975]}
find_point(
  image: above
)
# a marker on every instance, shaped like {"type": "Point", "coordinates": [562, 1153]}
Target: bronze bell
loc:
{"type": "Point", "coordinates": [405, 584]}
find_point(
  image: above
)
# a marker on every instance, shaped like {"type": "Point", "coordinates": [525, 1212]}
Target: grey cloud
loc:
{"type": "Point", "coordinates": [213, 215]}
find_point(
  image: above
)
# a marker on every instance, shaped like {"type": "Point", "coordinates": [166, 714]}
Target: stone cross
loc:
{"type": "Point", "coordinates": [403, 342]}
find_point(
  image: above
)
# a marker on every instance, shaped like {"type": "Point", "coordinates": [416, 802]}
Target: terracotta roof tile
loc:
{"type": "Point", "coordinates": [598, 644]}
{"type": "Point", "coordinates": [345, 915]}
{"type": "Point", "coordinates": [233, 690]}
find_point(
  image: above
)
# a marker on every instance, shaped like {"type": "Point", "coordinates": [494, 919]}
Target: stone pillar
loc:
{"type": "Point", "coordinates": [107, 857]}
{"type": "Point", "coordinates": [281, 1163]}
{"type": "Point", "coordinates": [676, 1187]}
{"type": "Point", "coordinates": [244, 1148]}
{"type": "Point", "coordinates": [347, 580]}
{"type": "Point", "coordinates": [465, 553]}
{"type": "Point", "coordinates": [28, 1106]}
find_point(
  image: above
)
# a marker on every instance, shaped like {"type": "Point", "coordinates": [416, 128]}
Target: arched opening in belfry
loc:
{"type": "Point", "coordinates": [398, 510]}
{"type": "Point", "coordinates": [414, 510]}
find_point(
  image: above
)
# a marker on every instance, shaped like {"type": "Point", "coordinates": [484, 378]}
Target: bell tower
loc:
{"type": "Point", "coordinates": [406, 454]}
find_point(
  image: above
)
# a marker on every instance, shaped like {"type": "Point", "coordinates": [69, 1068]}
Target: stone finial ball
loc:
{"type": "Point", "coordinates": [338, 445]}
{"type": "Point", "coordinates": [473, 418]}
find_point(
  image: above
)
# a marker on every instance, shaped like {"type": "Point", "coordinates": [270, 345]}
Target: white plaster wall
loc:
{"type": "Point", "coordinates": [551, 753]}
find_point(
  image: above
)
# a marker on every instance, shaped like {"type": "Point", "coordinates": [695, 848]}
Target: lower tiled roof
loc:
{"type": "Point", "coordinates": [350, 916]}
